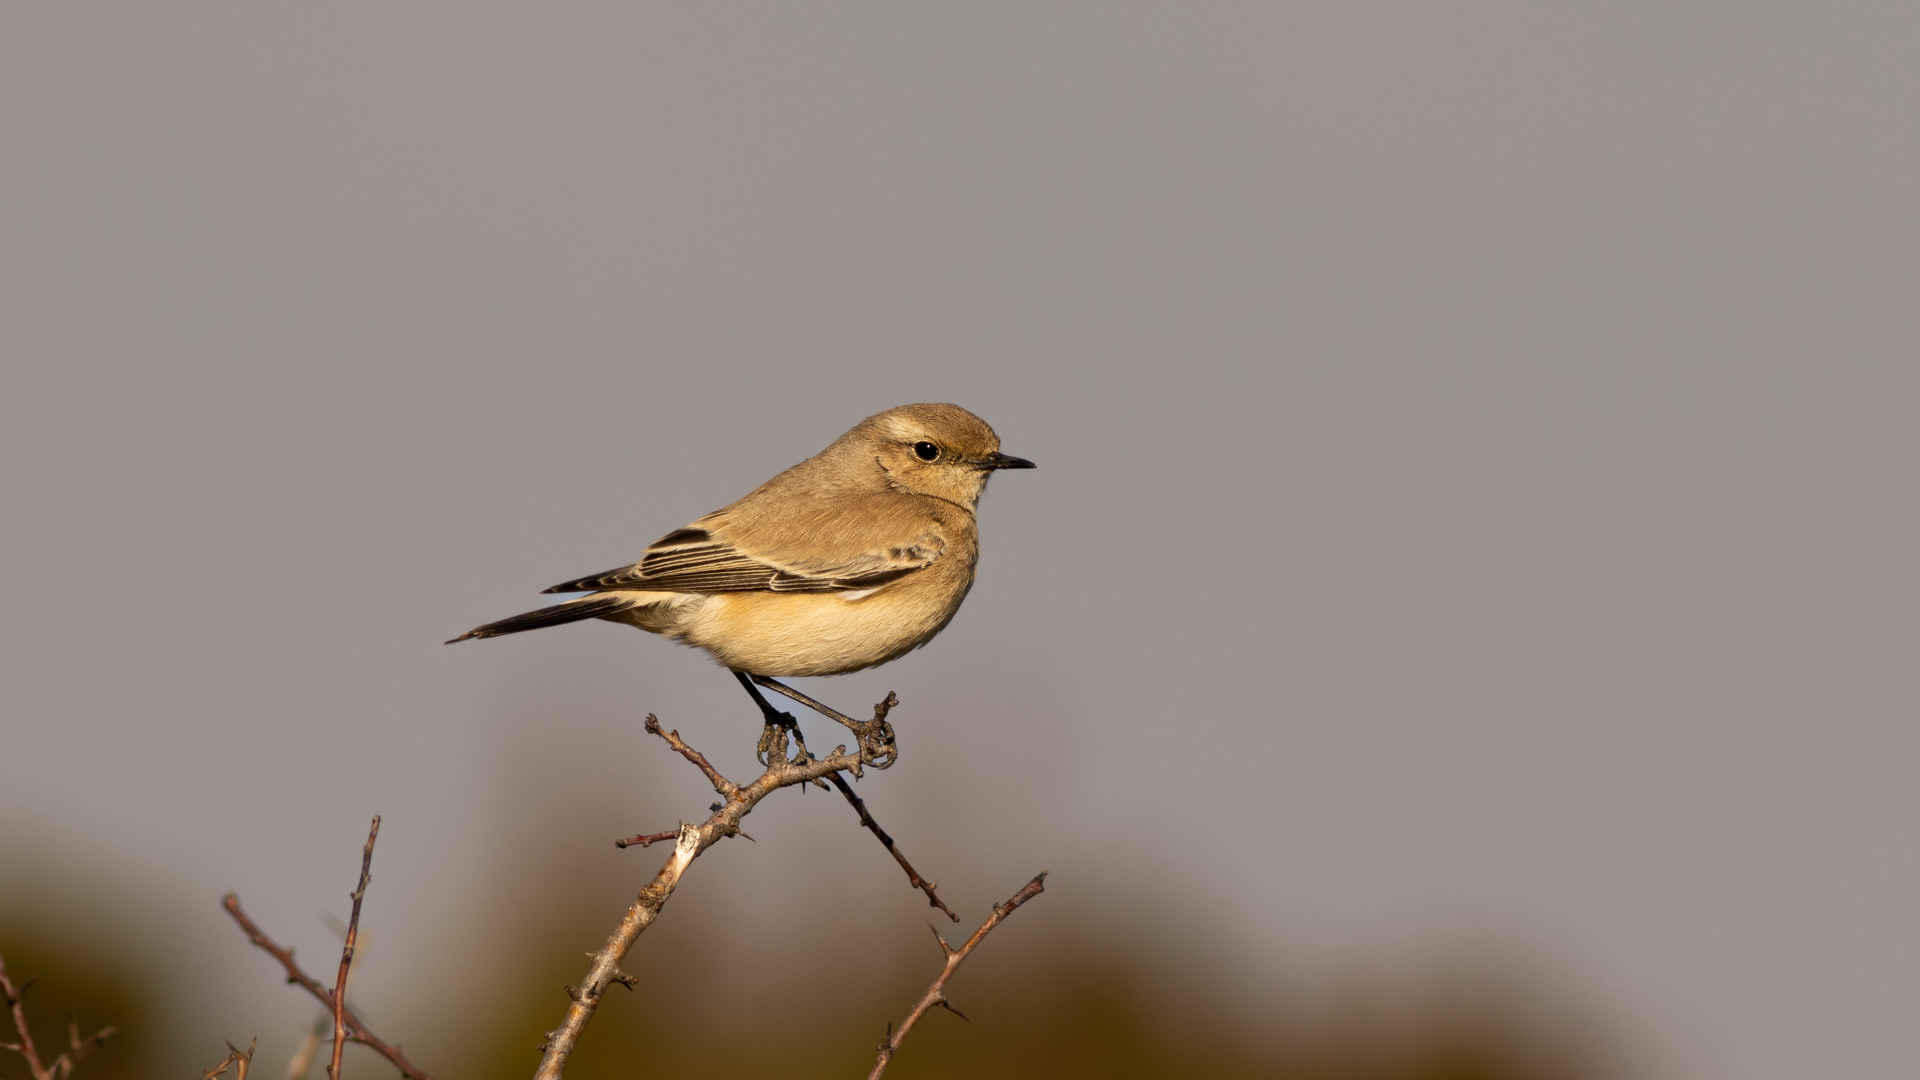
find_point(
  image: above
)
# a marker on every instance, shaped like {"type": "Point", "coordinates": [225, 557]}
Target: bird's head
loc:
{"type": "Point", "coordinates": [938, 450]}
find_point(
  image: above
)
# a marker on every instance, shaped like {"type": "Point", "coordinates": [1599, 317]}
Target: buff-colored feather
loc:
{"type": "Point", "coordinates": [856, 555]}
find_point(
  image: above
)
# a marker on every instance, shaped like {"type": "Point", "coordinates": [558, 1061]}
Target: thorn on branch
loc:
{"type": "Point", "coordinates": [646, 838]}
{"type": "Point", "coordinates": [62, 1066]}
{"type": "Point", "coordinates": [875, 747]}
{"type": "Point", "coordinates": [339, 996]}
{"type": "Point", "coordinates": [721, 784]}
{"type": "Point", "coordinates": [236, 1057]}
{"type": "Point", "coordinates": [1027, 892]}
{"type": "Point", "coordinates": [914, 879]}
{"type": "Point", "coordinates": [937, 993]}
{"type": "Point", "coordinates": [77, 1047]}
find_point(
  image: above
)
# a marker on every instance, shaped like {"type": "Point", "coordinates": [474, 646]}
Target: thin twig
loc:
{"type": "Point", "coordinates": [356, 1031]}
{"type": "Point", "coordinates": [646, 838]}
{"type": "Point", "coordinates": [720, 783]}
{"type": "Point", "coordinates": [691, 840]}
{"type": "Point", "coordinates": [913, 876]}
{"type": "Point", "coordinates": [77, 1047]}
{"type": "Point", "coordinates": [724, 786]}
{"type": "Point", "coordinates": [880, 731]}
{"type": "Point", "coordinates": [25, 1046]}
{"type": "Point", "coordinates": [236, 1057]}
{"type": "Point", "coordinates": [319, 1035]}
{"type": "Point", "coordinates": [346, 952]}
{"type": "Point", "coordinates": [937, 993]}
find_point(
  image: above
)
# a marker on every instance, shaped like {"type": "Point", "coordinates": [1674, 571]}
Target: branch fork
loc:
{"type": "Point", "coordinates": [874, 751]}
{"type": "Point", "coordinates": [875, 746]}
{"type": "Point", "coordinates": [346, 1026]}
{"type": "Point", "coordinates": [936, 994]}
{"type": "Point", "coordinates": [240, 1060]}
{"type": "Point", "coordinates": [736, 801]}
{"type": "Point", "coordinates": [77, 1048]}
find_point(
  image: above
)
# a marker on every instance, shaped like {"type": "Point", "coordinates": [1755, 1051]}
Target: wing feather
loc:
{"type": "Point", "coordinates": [692, 561]}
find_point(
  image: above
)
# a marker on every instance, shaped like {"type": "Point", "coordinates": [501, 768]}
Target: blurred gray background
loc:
{"type": "Point", "coordinates": [1471, 566]}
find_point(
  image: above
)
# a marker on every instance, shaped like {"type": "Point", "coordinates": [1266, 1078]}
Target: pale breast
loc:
{"type": "Point", "coordinates": [799, 634]}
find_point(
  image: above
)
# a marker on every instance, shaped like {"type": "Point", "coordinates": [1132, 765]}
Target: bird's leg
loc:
{"type": "Point", "coordinates": [876, 735]}
{"type": "Point", "coordinates": [773, 738]}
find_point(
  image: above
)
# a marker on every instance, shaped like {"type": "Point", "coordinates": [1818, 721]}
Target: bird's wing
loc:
{"type": "Point", "coordinates": [705, 560]}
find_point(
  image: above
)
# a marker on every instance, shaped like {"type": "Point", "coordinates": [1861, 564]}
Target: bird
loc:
{"type": "Point", "coordinates": [854, 557]}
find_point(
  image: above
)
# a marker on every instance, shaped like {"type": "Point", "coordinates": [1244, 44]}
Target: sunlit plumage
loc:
{"type": "Point", "coordinates": [849, 559]}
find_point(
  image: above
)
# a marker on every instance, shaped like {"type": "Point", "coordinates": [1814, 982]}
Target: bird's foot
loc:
{"type": "Point", "coordinates": [780, 727]}
{"type": "Point", "coordinates": [875, 736]}
{"type": "Point", "coordinates": [877, 747]}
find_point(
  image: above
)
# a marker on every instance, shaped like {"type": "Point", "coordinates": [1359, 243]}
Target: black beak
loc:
{"type": "Point", "coordinates": [998, 460]}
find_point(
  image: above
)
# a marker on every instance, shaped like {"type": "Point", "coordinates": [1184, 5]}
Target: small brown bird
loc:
{"type": "Point", "coordinates": [853, 557]}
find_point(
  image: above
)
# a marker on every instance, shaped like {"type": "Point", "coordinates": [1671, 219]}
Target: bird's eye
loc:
{"type": "Point", "coordinates": [926, 451]}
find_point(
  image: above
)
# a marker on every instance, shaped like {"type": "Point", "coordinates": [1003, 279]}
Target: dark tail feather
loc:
{"type": "Point", "coordinates": [593, 607]}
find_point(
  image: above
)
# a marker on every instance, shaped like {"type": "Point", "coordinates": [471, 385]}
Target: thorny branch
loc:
{"type": "Point", "coordinates": [913, 876]}
{"type": "Point", "coordinates": [720, 783]}
{"type": "Point", "coordinates": [346, 952]}
{"type": "Point", "coordinates": [236, 1057]}
{"type": "Point", "coordinates": [876, 739]}
{"type": "Point", "coordinates": [647, 838]}
{"type": "Point", "coordinates": [937, 993]}
{"type": "Point", "coordinates": [356, 1031]}
{"type": "Point", "coordinates": [77, 1048]}
{"type": "Point", "coordinates": [876, 749]}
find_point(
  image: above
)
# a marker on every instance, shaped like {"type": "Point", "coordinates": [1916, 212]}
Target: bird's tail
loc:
{"type": "Point", "coordinates": [587, 607]}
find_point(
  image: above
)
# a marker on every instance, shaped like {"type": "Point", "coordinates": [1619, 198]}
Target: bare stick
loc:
{"type": "Point", "coordinates": [937, 993]}
{"type": "Point", "coordinates": [926, 885]}
{"type": "Point", "coordinates": [346, 952]}
{"type": "Point", "coordinates": [77, 1048]}
{"type": "Point", "coordinates": [875, 728]}
{"type": "Point", "coordinates": [647, 838]}
{"type": "Point", "coordinates": [356, 1031]}
{"type": "Point", "coordinates": [63, 1065]}
{"type": "Point", "coordinates": [721, 784]}
{"type": "Point", "coordinates": [690, 842]}
{"type": "Point", "coordinates": [913, 877]}
{"type": "Point", "coordinates": [25, 1046]}
{"type": "Point", "coordinates": [236, 1057]}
